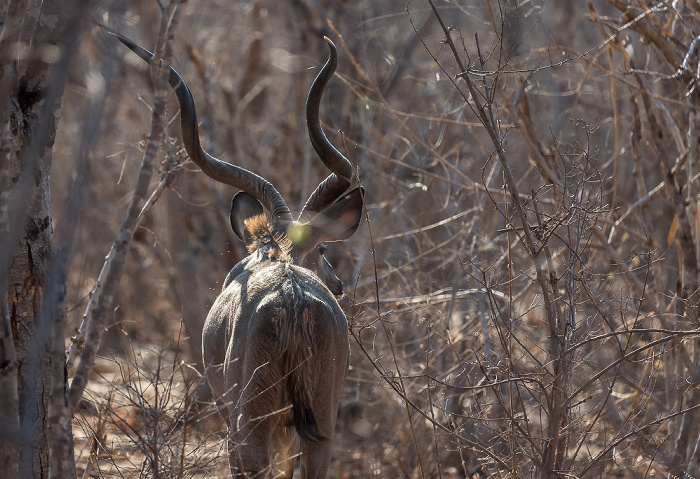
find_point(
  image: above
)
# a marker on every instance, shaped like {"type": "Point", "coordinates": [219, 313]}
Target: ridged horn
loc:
{"type": "Point", "coordinates": [220, 171]}
{"type": "Point", "coordinates": [338, 181]}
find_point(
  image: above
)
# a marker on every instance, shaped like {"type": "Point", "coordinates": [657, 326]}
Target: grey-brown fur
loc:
{"type": "Point", "coordinates": [284, 343]}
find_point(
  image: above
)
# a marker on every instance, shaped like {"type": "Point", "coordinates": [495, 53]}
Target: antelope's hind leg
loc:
{"type": "Point", "coordinates": [263, 449]}
{"type": "Point", "coordinates": [285, 452]}
{"type": "Point", "coordinates": [315, 459]}
{"type": "Point", "coordinates": [249, 449]}
{"type": "Point", "coordinates": [316, 456]}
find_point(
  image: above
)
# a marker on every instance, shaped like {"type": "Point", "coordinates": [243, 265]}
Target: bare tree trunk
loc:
{"type": "Point", "coordinates": [9, 402]}
{"type": "Point", "coordinates": [33, 62]}
{"type": "Point", "coordinates": [30, 252]}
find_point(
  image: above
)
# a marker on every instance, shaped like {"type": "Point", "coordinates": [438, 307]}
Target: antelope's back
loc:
{"type": "Point", "coordinates": [244, 333]}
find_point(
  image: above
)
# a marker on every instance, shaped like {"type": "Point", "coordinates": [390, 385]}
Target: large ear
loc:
{"type": "Point", "coordinates": [340, 220]}
{"type": "Point", "coordinates": [243, 206]}
{"type": "Point", "coordinates": [336, 223]}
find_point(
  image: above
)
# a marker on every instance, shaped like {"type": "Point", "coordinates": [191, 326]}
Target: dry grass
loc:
{"type": "Point", "coordinates": [141, 419]}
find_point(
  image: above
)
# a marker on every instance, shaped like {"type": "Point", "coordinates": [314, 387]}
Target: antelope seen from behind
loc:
{"type": "Point", "coordinates": [275, 342]}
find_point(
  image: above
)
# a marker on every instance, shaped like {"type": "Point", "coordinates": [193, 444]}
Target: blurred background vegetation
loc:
{"type": "Point", "coordinates": [465, 359]}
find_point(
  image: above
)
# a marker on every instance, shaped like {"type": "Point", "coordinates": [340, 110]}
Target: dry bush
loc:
{"type": "Point", "coordinates": [523, 299]}
{"type": "Point", "coordinates": [141, 419]}
{"type": "Point", "coordinates": [553, 328]}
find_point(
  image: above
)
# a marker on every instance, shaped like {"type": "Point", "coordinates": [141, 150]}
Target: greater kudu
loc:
{"type": "Point", "coordinates": [275, 342]}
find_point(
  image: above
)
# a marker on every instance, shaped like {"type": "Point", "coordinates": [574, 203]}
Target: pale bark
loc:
{"type": "Point", "coordinates": [9, 402]}
{"type": "Point", "coordinates": [34, 63]}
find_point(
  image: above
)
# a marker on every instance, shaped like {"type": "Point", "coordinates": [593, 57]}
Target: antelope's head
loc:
{"type": "Point", "coordinates": [330, 214]}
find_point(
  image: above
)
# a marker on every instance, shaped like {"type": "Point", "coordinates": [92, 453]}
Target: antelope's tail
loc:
{"type": "Point", "coordinates": [295, 335]}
